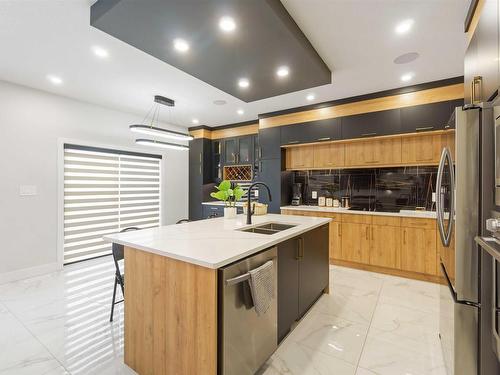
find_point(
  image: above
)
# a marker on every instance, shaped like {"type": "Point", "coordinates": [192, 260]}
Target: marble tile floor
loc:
{"type": "Point", "coordinates": [370, 324]}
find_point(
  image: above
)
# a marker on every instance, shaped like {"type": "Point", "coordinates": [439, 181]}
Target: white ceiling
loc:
{"type": "Point", "coordinates": [355, 38]}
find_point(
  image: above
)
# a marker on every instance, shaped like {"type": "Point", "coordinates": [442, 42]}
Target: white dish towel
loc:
{"type": "Point", "coordinates": [262, 286]}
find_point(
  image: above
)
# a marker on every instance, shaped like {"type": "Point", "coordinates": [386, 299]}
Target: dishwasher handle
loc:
{"type": "Point", "coordinates": [241, 278]}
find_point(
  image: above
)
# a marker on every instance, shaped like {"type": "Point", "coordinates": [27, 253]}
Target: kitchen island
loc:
{"type": "Point", "coordinates": [173, 286]}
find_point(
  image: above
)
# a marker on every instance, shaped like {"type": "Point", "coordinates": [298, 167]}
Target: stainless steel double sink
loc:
{"type": "Point", "coordinates": [268, 228]}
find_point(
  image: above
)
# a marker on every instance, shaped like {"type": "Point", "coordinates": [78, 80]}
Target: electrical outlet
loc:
{"type": "Point", "coordinates": [256, 193]}
{"type": "Point", "coordinates": [27, 190]}
{"type": "Point", "coordinates": [314, 195]}
{"type": "Point", "coordinates": [434, 197]}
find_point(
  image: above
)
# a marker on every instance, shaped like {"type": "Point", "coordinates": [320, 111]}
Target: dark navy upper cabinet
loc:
{"type": "Point", "coordinates": [312, 131]}
{"type": "Point", "coordinates": [425, 117]}
{"type": "Point", "coordinates": [238, 150]}
{"type": "Point", "coordinates": [269, 143]}
{"type": "Point", "coordinates": [371, 124]}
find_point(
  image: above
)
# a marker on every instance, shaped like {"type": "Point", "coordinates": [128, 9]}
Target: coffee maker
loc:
{"type": "Point", "coordinates": [296, 194]}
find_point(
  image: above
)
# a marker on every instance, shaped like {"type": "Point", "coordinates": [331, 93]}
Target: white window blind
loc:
{"type": "Point", "coordinates": [106, 191]}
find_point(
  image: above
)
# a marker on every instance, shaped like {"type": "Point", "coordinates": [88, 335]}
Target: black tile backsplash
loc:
{"type": "Point", "coordinates": [384, 189]}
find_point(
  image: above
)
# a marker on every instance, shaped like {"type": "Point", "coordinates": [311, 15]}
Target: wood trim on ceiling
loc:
{"type": "Point", "coordinates": [434, 95]}
{"type": "Point", "coordinates": [216, 133]}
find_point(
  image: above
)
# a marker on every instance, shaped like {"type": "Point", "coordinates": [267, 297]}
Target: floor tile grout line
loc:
{"type": "Point", "coordinates": [370, 324]}
{"type": "Point", "coordinates": [36, 338]}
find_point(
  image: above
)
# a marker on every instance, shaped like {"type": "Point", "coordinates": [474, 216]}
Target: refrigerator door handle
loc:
{"type": "Point", "coordinates": [453, 293]}
{"type": "Point", "coordinates": [445, 233]}
{"type": "Point", "coordinates": [495, 310]}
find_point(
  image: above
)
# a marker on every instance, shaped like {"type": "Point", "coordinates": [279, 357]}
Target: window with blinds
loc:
{"type": "Point", "coordinates": [106, 191]}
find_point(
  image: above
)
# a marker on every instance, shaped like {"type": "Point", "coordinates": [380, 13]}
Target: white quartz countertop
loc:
{"type": "Point", "coordinates": [214, 243]}
{"type": "Point", "coordinates": [402, 213]}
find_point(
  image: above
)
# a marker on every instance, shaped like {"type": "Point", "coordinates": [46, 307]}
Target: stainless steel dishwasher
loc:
{"type": "Point", "coordinates": [246, 340]}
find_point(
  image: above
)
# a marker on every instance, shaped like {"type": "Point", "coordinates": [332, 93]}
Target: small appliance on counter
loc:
{"type": "Point", "coordinates": [346, 202]}
{"type": "Point", "coordinates": [296, 194]}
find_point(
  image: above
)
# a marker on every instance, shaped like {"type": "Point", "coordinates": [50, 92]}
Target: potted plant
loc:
{"type": "Point", "coordinates": [228, 193]}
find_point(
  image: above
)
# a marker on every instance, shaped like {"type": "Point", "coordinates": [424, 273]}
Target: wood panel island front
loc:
{"type": "Point", "coordinates": [175, 286]}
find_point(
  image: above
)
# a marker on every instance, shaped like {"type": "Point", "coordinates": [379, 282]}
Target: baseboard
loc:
{"type": "Point", "coordinates": [26, 273]}
{"type": "Point", "coordinates": [388, 271]}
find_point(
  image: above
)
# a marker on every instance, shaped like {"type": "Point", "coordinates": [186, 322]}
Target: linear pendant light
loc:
{"type": "Point", "coordinates": [159, 132]}
{"type": "Point", "coordinates": [150, 142]}
{"type": "Point", "coordinates": [155, 131]}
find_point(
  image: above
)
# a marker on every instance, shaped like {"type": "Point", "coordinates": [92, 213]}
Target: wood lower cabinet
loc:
{"type": "Point", "coordinates": [418, 250]}
{"type": "Point", "coordinates": [385, 242]}
{"type": "Point", "coordinates": [335, 240]}
{"type": "Point", "coordinates": [355, 242]}
{"type": "Point", "coordinates": [329, 155]}
{"type": "Point", "coordinates": [407, 247]}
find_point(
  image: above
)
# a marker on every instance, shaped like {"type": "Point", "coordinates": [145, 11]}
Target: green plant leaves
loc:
{"type": "Point", "coordinates": [225, 192]}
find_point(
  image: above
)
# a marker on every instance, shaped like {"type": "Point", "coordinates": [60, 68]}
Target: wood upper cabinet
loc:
{"type": "Point", "coordinates": [425, 148]}
{"type": "Point", "coordinates": [381, 151]}
{"type": "Point", "coordinates": [418, 250]}
{"type": "Point", "coordinates": [328, 155]}
{"type": "Point", "coordinates": [299, 157]}
{"type": "Point", "coordinates": [385, 242]}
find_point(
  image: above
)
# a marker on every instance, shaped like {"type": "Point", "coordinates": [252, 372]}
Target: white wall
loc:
{"type": "Point", "coordinates": [32, 123]}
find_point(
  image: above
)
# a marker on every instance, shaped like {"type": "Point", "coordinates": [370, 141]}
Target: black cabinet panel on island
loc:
{"type": "Point", "coordinates": [303, 275]}
{"type": "Point", "coordinates": [371, 124]}
{"type": "Point", "coordinates": [312, 131]}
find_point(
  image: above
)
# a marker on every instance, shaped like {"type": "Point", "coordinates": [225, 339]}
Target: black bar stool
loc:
{"type": "Point", "coordinates": [118, 254]}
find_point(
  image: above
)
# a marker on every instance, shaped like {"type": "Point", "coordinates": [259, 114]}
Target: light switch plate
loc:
{"type": "Point", "coordinates": [314, 195]}
{"type": "Point", "coordinates": [434, 197]}
{"type": "Point", "coordinates": [256, 193]}
{"type": "Point", "coordinates": [27, 190]}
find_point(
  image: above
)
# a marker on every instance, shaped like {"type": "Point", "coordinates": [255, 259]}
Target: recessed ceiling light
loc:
{"type": "Point", "coordinates": [404, 26]}
{"type": "Point", "coordinates": [227, 24]}
{"type": "Point", "coordinates": [195, 121]}
{"type": "Point", "coordinates": [243, 83]}
{"type": "Point", "coordinates": [181, 45]}
{"type": "Point", "coordinates": [282, 71]}
{"type": "Point", "coordinates": [407, 77]}
{"type": "Point", "coordinates": [311, 97]}
{"type": "Point", "coordinates": [55, 80]}
{"type": "Point", "coordinates": [406, 58]}
{"type": "Point", "coordinates": [240, 112]}
{"type": "Point", "coordinates": [100, 52]}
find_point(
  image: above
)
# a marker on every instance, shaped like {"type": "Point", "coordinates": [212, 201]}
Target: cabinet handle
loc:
{"type": "Point", "coordinates": [291, 142]}
{"type": "Point", "coordinates": [301, 248]}
{"type": "Point", "coordinates": [368, 134]}
{"type": "Point", "coordinates": [324, 139]}
{"type": "Point", "coordinates": [200, 168]}
{"type": "Point", "coordinates": [476, 81]}
{"type": "Point", "coordinates": [373, 236]}
{"type": "Point", "coordinates": [340, 230]}
{"type": "Point", "coordinates": [260, 152]}
{"type": "Point", "coordinates": [404, 236]}
{"type": "Point", "coordinates": [200, 157]}
{"type": "Point", "coordinates": [423, 129]}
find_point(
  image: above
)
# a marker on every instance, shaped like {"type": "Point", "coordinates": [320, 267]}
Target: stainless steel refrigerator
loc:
{"type": "Point", "coordinates": [464, 198]}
